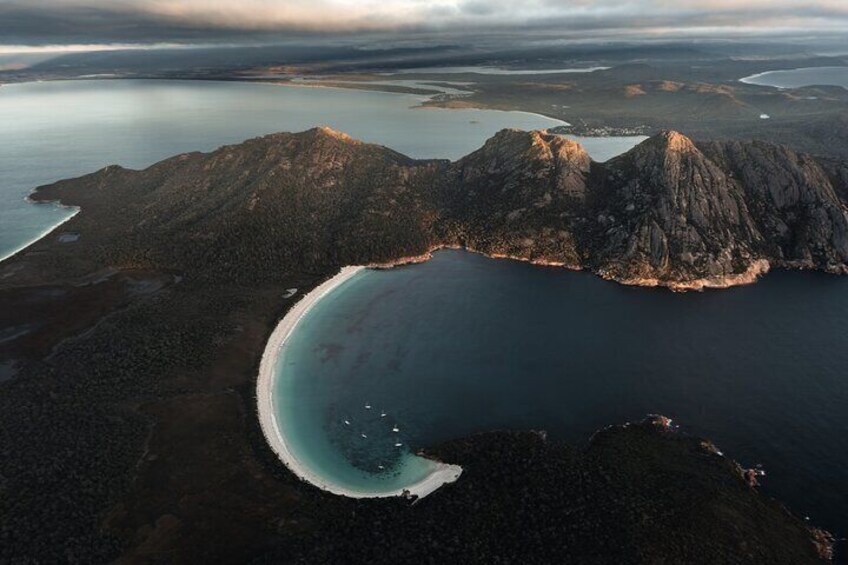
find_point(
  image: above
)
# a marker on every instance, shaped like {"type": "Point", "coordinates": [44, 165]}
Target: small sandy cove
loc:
{"type": "Point", "coordinates": [442, 473]}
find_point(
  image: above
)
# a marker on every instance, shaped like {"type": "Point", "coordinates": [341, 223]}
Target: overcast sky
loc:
{"type": "Point", "coordinates": [75, 22]}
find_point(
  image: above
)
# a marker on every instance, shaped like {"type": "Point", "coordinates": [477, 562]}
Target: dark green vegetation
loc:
{"type": "Point", "coordinates": [636, 494]}
{"type": "Point", "coordinates": [129, 427]}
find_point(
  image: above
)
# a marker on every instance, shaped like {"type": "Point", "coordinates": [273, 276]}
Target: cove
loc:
{"type": "Point", "coordinates": [464, 344]}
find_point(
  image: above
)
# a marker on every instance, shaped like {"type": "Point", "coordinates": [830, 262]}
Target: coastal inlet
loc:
{"type": "Point", "coordinates": [463, 344]}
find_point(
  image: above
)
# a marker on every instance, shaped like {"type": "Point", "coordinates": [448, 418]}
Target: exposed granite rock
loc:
{"type": "Point", "coordinates": [667, 213]}
{"type": "Point", "coordinates": [533, 168]}
{"type": "Point", "coordinates": [518, 196]}
{"type": "Point", "coordinates": [794, 202]}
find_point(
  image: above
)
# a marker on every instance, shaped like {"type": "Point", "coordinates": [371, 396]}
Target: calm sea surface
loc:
{"type": "Point", "coordinates": [464, 344]}
{"type": "Point", "coordinates": [797, 78]}
{"type": "Point", "coordinates": [56, 130]}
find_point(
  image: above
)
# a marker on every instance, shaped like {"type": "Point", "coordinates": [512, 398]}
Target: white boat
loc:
{"type": "Point", "coordinates": [347, 422]}
{"type": "Point", "coordinates": [363, 435]}
{"type": "Point", "coordinates": [368, 407]}
{"type": "Point", "coordinates": [382, 414]}
{"type": "Point", "coordinates": [398, 444]}
{"type": "Point", "coordinates": [396, 429]}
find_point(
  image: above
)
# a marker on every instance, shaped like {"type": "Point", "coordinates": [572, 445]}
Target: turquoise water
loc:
{"type": "Point", "coordinates": [331, 437]}
{"type": "Point", "coordinates": [55, 130]}
{"type": "Point", "coordinates": [464, 344]}
{"type": "Point", "coordinates": [797, 78]}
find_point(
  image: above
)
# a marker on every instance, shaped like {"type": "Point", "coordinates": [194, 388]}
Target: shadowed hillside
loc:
{"type": "Point", "coordinates": [666, 213]}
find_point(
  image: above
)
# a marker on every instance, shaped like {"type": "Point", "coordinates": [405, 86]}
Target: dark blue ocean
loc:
{"type": "Point", "coordinates": [464, 344]}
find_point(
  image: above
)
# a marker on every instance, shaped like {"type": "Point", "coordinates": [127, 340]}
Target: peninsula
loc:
{"type": "Point", "coordinates": [145, 334]}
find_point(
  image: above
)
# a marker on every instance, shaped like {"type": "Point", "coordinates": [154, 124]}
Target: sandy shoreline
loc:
{"type": "Point", "coordinates": [441, 474]}
{"type": "Point", "coordinates": [47, 231]}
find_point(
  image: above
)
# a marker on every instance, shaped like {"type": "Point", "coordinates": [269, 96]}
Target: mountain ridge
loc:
{"type": "Point", "coordinates": [143, 336]}
{"type": "Point", "coordinates": [670, 212]}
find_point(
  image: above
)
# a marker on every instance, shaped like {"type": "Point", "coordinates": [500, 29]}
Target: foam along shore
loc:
{"type": "Point", "coordinates": [441, 473]}
{"type": "Point", "coordinates": [74, 210]}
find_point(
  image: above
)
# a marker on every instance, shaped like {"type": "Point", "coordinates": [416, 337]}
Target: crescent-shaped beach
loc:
{"type": "Point", "coordinates": [441, 474]}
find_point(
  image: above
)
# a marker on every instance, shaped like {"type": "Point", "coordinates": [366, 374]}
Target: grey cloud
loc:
{"type": "Point", "coordinates": [22, 24]}
{"type": "Point", "coordinates": [478, 8]}
{"type": "Point", "coordinates": [39, 22]}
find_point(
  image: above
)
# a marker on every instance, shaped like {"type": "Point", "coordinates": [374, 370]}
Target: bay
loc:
{"type": "Point", "coordinates": [465, 344]}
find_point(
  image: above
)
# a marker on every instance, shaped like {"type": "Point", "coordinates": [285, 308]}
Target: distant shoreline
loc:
{"type": "Point", "coordinates": [47, 231]}
{"type": "Point", "coordinates": [754, 79]}
{"type": "Point", "coordinates": [442, 473]}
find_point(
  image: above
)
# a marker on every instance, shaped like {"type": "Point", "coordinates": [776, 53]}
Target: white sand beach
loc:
{"type": "Point", "coordinates": [47, 231]}
{"type": "Point", "coordinates": [442, 473]}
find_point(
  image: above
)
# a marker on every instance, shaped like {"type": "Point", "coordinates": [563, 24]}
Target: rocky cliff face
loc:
{"type": "Point", "coordinates": [799, 212]}
{"type": "Point", "coordinates": [519, 195]}
{"type": "Point", "coordinates": [668, 212]}
{"type": "Point", "coordinates": [526, 168]}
